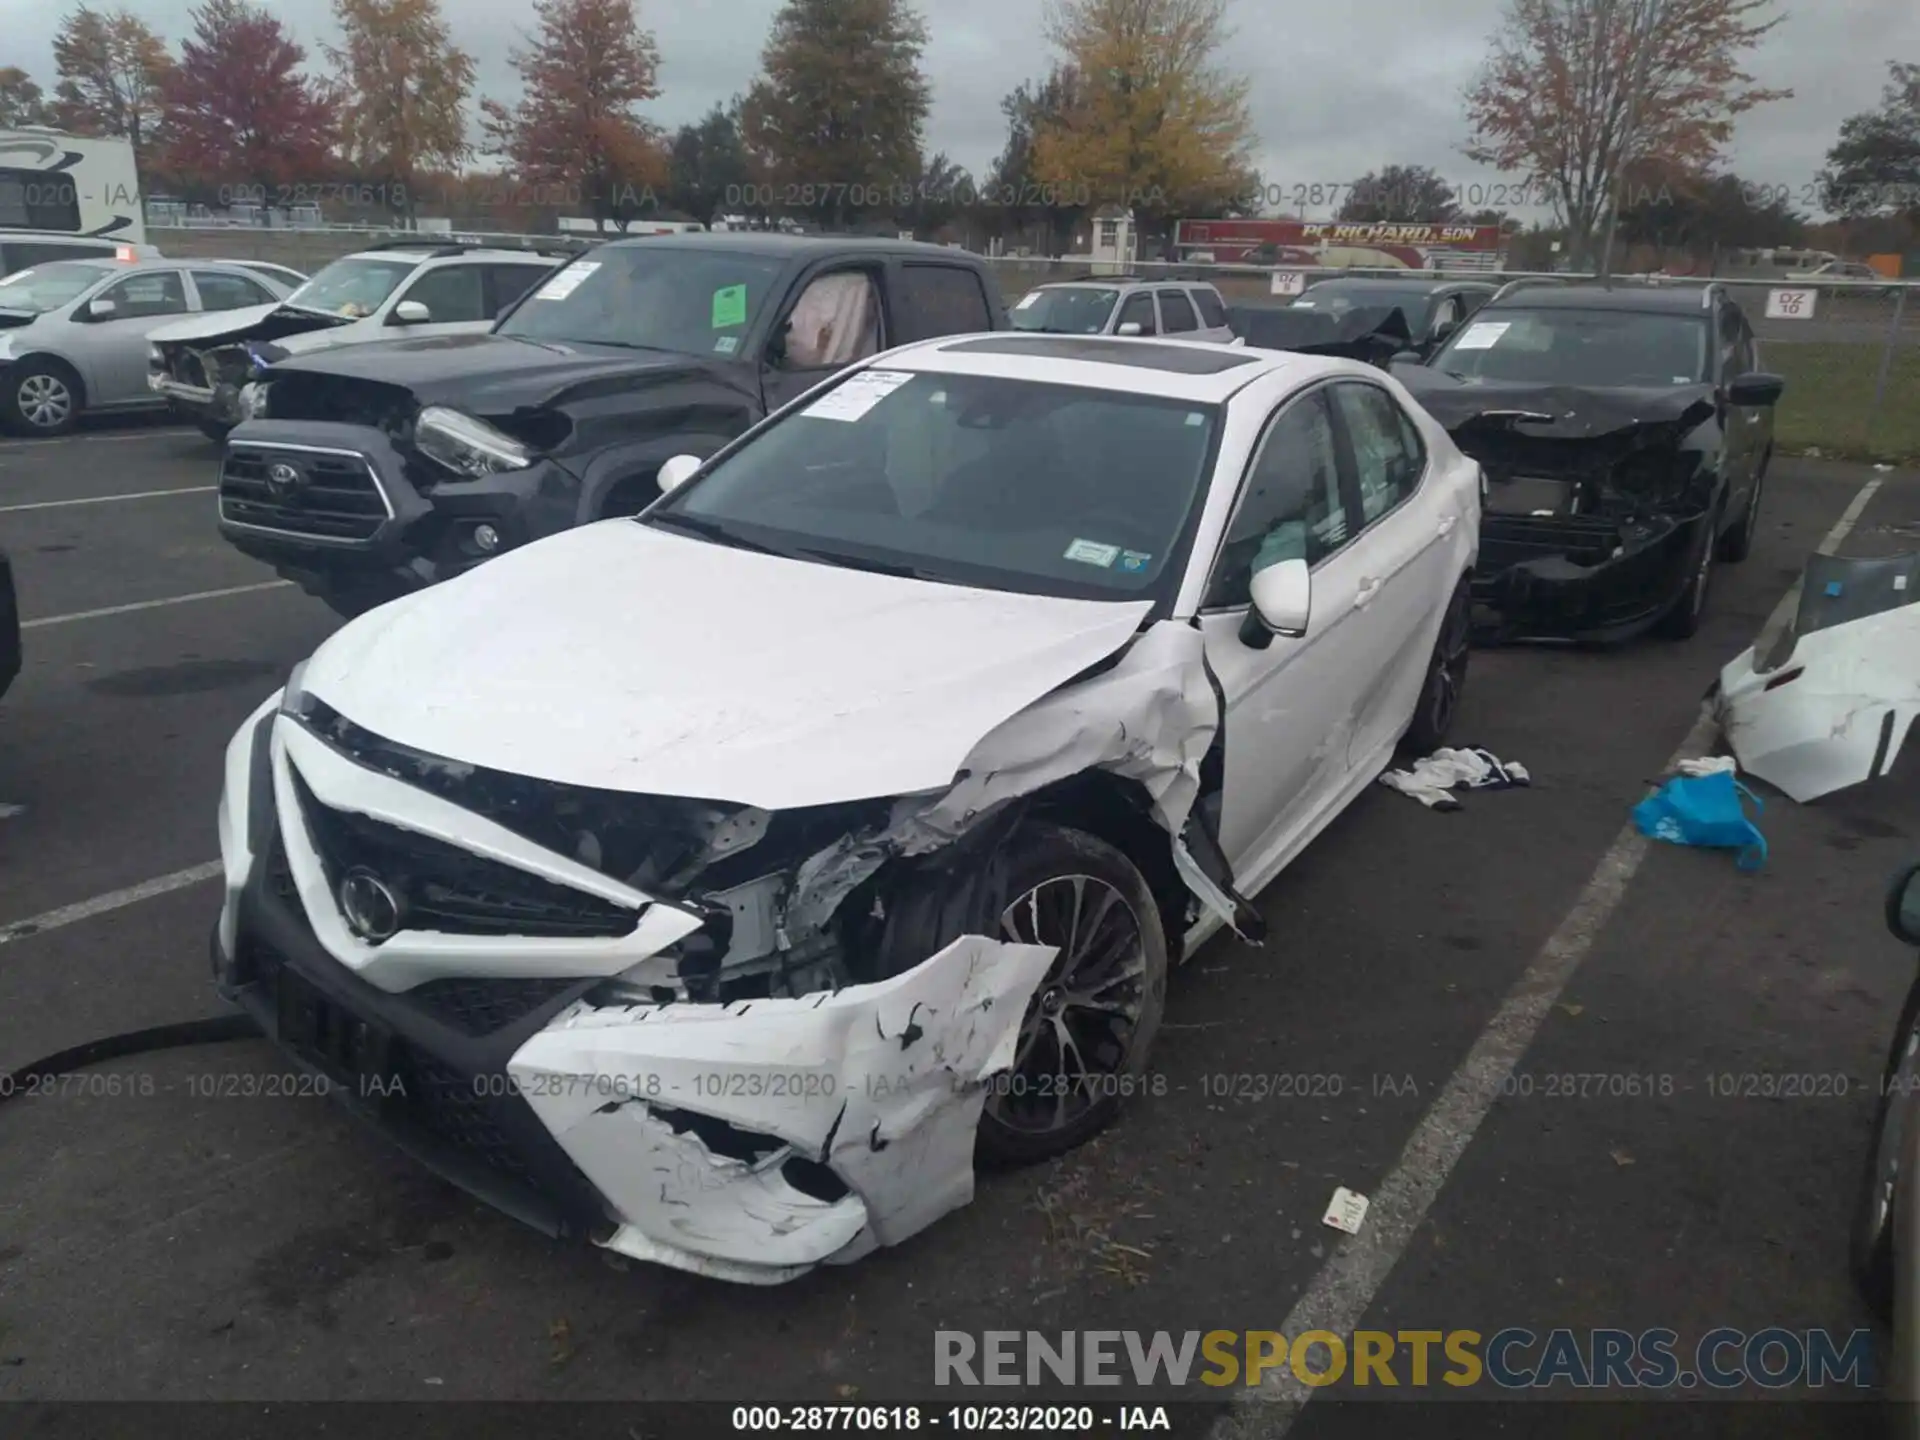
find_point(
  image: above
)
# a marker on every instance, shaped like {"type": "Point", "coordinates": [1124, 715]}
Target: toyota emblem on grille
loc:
{"type": "Point", "coordinates": [284, 481]}
{"type": "Point", "coordinates": [371, 909]}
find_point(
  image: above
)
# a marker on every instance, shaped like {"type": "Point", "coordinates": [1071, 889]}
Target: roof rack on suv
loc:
{"type": "Point", "coordinates": [1523, 284]}
{"type": "Point", "coordinates": [444, 249]}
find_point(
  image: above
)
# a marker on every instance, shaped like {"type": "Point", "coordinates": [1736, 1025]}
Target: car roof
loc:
{"type": "Point", "coordinates": [1116, 282]}
{"type": "Point", "coordinates": [775, 244]}
{"type": "Point", "coordinates": [1198, 371]}
{"type": "Point", "coordinates": [1418, 282]}
{"type": "Point", "coordinates": [1648, 299]}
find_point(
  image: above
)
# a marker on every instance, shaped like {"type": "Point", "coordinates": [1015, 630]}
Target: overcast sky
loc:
{"type": "Point", "coordinates": [1338, 90]}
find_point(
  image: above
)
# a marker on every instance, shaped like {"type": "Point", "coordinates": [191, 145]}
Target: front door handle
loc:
{"type": "Point", "coordinates": [1368, 589]}
{"type": "Point", "coordinates": [1447, 524]}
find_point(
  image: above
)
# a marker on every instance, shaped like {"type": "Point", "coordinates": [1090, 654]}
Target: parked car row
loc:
{"type": "Point", "coordinates": [1019, 662]}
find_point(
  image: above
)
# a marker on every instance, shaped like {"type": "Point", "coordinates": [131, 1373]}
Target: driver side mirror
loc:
{"type": "Point", "coordinates": [1131, 327]}
{"type": "Point", "coordinates": [1903, 905]}
{"type": "Point", "coordinates": [676, 472]}
{"type": "Point", "coordinates": [1756, 389]}
{"type": "Point", "coordinates": [777, 345]}
{"type": "Point", "coordinates": [1282, 603]}
{"type": "Point", "coordinates": [101, 309]}
{"type": "Point", "coordinates": [1408, 357]}
{"type": "Point", "coordinates": [411, 312]}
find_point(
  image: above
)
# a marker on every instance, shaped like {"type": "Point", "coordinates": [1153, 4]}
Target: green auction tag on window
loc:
{"type": "Point", "coordinates": [729, 307]}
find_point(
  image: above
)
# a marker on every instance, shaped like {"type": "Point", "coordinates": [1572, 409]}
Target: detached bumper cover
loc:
{"type": "Point", "coordinates": [1830, 703]}
{"type": "Point", "coordinates": [1583, 578]}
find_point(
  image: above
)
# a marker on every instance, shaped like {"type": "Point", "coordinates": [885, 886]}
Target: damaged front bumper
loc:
{"type": "Point", "coordinates": [1588, 578]}
{"type": "Point", "coordinates": [748, 1141]}
{"type": "Point", "coordinates": [1829, 702]}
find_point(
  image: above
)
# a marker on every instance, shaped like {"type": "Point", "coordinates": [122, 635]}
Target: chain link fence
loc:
{"type": "Point", "coordinates": [1850, 350]}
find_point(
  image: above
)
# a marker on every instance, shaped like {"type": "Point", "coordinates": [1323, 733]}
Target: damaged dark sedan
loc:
{"type": "Point", "coordinates": [1363, 318]}
{"type": "Point", "coordinates": [1625, 434]}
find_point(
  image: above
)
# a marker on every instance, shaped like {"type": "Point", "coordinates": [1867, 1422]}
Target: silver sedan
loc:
{"type": "Point", "coordinates": [73, 333]}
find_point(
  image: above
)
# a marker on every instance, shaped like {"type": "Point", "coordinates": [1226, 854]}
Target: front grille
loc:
{"type": "Point", "coordinates": [444, 888]}
{"type": "Point", "coordinates": [480, 1007]}
{"type": "Point", "coordinates": [457, 1110]}
{"type": "Point", "coordinates": [1514, 539]}
{"type": "Point", "coordinates": [338, 498]}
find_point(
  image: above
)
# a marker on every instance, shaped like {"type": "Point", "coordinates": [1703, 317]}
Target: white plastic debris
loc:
{"type": "Point", "coordinates": [1710, 765]}
{"type": "Point", "coordinates": [1347, 1211]}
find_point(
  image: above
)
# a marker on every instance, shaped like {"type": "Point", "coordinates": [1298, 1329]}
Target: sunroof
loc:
{"type": "Point", "coordinates": [1140, 354]}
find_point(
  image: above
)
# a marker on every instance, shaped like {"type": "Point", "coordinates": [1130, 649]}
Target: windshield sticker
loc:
{"type": "Point", "coordinates": [1135, 562]}
{"type": "Point", "coordinates": [729, 307]}
{"type": "Point", "coordinates": [857, 394]}
{"type": "Point", "coordinates": [1482, 335]}
{"type": "Point", "coordinates": [1032, 297]}
{"type": "Point", "coordinates": [1092, 552]}
{"type": "Point", "coordinates": [1195, 420]}
{"type": "Point", "coordinates": [726, 344]}
{"type": "Point", "coordinates": [567, 281]}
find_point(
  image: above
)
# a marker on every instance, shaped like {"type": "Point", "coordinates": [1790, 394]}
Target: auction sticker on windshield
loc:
{"type": "Point", "coordinates": [567, 281]}
{"type": "Point", "coordinates": [1483, 336]}
{"type": "Point", "coordinates": [1092, 552]}
{"type": "Point", "coordinates": [729, 307]}
{"type": "Point", "coordinates": [857, 394]}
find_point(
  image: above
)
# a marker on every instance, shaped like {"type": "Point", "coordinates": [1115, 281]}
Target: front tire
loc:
{"type": "Point", "coordinates": [1084, 1039]}
{"type": "Point", "coordinates": [1446, 676]}
{"type": "Point", "coordinates": [1870, 1241]}
{"type": "Point", "coordinates": [1682, 622]}
{"type": "Point", "coordinates": [1737, 543]}
{"type": "Point", "coordinates": [41, 398]}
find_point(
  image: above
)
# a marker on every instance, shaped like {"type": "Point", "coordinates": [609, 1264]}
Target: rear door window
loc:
{"type": "Point", "coordinates": [507, 283]}
{"type": "Point", "coordinates": [1213, 314]}
{"type": "Point", "coordinates": [1177, 311]}
{"type": "Point", "coordinates": [944, 300]}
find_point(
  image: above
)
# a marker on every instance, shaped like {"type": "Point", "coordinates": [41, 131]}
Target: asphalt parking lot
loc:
{"type": "Point", "coordinates": [184, 1239]}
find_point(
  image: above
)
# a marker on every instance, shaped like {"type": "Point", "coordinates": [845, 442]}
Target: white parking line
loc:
{"type": "Point", "coordinates": [1338, 1297]}
{"type": "Point", "coordinates": [7, 446]}
{"type": "Point", "coordinates": [108, 499]}
{"type": "Point", "coordinates": [153, 604]}
{"type": "Point", "coordinates": [112, 900]}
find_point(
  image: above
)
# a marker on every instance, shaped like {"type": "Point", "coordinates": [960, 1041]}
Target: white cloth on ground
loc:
{"type": "Point", "coordinates": [1431, 781]}
{"type": "Point", "coordinates": [1710, 765]}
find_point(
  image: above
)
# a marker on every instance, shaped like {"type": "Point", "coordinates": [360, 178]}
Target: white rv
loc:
{"type": "Point", "coordinates": [59, 184]}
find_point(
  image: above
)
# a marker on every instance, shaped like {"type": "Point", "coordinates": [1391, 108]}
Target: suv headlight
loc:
{"type": "Point", "coordinates": [470, 448]}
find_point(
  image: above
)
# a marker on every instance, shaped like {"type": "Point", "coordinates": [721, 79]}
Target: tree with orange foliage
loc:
{"type": "Point", "coordinates": [576, 136]}
{"type": "Point", "coordinates": [1577, 91]}
{"type": "Point", "coordinates": [243, 119]}
{"type": "Point", "coordinates": [402, 108]}
{"type": "Point", "coordinates": [111, 68]}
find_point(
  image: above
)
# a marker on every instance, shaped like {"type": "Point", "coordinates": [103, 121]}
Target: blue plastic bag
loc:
{"type": "Point", "coordinates": [1704, 810]}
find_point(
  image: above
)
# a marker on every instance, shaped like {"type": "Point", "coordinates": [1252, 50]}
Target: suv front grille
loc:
{"type": "Point", "coordinates": [480, 1007]}
{"type": "Point", "coordinates": [335, 497]}
{"type": "Point", "coordinates": [446, 889]}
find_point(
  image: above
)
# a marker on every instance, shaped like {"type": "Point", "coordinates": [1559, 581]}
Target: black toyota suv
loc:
{"type": "Point", "coordinates": [374, 469]}
{"type": "Point", "coordinates": [1625, 433]}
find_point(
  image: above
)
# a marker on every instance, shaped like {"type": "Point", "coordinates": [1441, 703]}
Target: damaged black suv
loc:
{"type": "Point", "coordinates": [375, 469]}
{"type": "Point", "coordinates": [1625, 433]}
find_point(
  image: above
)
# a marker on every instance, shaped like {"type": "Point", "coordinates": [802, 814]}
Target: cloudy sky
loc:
{"type": "Point", "coordinates": [1338, 90]}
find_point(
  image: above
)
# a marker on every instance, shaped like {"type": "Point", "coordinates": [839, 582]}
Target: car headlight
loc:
{"type": "Point", "coordinates": [155, 360]}
{"type": "Point", "coordinates": [468, 447]}
{"type": "Point", "coordinates": [293, 699]}
{"type": "Point", "coordinates": [253, 399]}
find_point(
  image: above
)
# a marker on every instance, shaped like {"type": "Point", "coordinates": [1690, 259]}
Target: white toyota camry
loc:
{"type": "Point", "coordinates": [718, 884]}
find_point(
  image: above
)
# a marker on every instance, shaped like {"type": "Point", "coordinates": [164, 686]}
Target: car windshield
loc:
{"type": "Point", "coordinates": [646, 296]}
{"type": "Point", "coordinates": [976, 480]}
{"type": "Point", "coordinates": [1340, 300]}
{"type": "Point", "coordinates": [352, 288]}
{"type": "Point", "coordinates": [1579, 347]}
{"type": "Point", "coordinates": [48, 287]}
{"type": "Point", "coordinates": [1068, 310]}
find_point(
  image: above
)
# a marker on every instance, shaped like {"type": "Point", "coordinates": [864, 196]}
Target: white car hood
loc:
{"type": "Point", "coordinates": [626, 658]}
{"type": "Point", "coordinates": [213, 326]}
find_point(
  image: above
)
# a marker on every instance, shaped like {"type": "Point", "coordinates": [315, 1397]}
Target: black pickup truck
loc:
{"type": "Point", "coordinates": [371, 470]}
